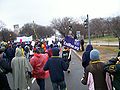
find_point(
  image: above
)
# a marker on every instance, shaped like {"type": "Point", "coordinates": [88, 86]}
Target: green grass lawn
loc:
{"type": "Point", "coordinates": [104, 39]}
{"type": "Point", "coordinates": [106, 52]}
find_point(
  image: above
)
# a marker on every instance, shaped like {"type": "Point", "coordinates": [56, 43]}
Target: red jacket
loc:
{"type": "Point", "coordinates": [38, 61]}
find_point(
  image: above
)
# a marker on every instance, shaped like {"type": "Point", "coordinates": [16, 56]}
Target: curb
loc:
{"type": "Point", "coordinates": [80, 57]}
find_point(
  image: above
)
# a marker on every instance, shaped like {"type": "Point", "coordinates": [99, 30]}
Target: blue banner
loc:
{"type": "Point", "coordinates": [72, 43]}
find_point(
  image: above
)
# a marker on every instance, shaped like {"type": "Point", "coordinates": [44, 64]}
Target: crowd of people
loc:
{"type": "Point", "coordinates": [98, 74]}
{"type": "Point", "coordinates": [42, 61]}
{"type": "Point", "coordinates": [26, 62]}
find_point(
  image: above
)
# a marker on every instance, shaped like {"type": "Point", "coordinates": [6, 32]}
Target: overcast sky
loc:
{"type": "Point", "coordinates": [43, 11]}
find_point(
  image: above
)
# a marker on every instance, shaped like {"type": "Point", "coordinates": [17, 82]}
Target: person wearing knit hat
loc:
{"type": "Point", "coordinates": [56, 66]}
{"type": "Point", "coordinates": [95, 76]}
{"type": "Point", "coordinates": [55, 51]}
{"type": "Point", "coordinates": [94, 54]}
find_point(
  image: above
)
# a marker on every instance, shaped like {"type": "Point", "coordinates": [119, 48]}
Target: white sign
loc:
{"type": "Point", "coordinates": [23, 39]}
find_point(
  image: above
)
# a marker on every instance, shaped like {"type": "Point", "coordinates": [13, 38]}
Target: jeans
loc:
{"type": "Point", "coordinates": [59, 85]}
{"type": "Point", "coordinates": [41, 83]}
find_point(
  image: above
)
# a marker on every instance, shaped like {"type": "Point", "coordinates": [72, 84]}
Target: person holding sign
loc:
{"type": "Point", "coordinates": [66, 54]}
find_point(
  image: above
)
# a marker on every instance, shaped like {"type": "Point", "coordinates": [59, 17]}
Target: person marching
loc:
{"type": "Point", "coordinates": [86, 56]}
{"type": "Point", "coordinates": [21, 71]}
{"type": "Point", "coordinates": [95, 76]}
{"type": "Point", "coordinates": [4, 69]}
{"type": "Point", "coordinates": [66, 54]}
{"type": "Point", "coordinates": [56, 65]}
{"type": "Point", "coordinates": [113, 67]}
{"type": "Point", "coordinates": [38, 61]}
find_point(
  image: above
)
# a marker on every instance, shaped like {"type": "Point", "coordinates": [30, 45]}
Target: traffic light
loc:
{"type": "Point", "coordinates": [86, 23]}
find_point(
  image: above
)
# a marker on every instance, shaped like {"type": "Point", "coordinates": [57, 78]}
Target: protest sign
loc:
{"type": "Point", "coordinates": [72, 43]}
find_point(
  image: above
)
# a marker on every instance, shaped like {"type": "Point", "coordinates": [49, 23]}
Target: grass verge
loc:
{"type": "Point", "coordinates": [106, 52]}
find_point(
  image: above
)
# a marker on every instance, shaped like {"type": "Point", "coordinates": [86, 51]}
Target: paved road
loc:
{"type": "Point", "coordinates": [72, 79]}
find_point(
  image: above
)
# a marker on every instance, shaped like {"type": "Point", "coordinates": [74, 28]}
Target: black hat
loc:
{"type": "Point", "coordinates": [55, 51]}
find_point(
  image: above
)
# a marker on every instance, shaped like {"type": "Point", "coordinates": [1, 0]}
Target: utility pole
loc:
{"type": "Point", "coordinates": [87, 26]}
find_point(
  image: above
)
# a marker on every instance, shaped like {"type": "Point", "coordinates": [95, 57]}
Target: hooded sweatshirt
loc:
{"type": "Point", "coordinates": [86, 56]}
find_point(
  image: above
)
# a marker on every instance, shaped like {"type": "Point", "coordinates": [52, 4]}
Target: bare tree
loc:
{"type": "Point", "coordinates": [97, 27]}
{"type": "Point", "coordinates": [36, 30]}
{"type": "Point", "coordinates": [67, 24]}
{"type": "Point", "coordinates": [116, 27]}
{"type": "Point", "coordinates": [62, 25]}
{"type": "Point", "coordinates": [7, 35]}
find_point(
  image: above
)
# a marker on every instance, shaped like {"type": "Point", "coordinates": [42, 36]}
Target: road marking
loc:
{"type": "Point", "coordinates": [32, 82]}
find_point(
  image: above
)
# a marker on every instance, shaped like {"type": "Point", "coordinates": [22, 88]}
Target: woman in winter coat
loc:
{"type": "Point", "coordinates": [38, 61]}
{"type": "Point", "coordinates": [95, 76]}
{"type": "Point", "coordinates": [86, 56]}
{"type": "Point", "coordinates": [21, 69]}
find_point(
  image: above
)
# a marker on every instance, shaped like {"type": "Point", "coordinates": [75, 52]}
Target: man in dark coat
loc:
{"type": "Point", "coordinates": [4, 69]}
{"type": "Point", "coordinates": [86, 56]}
{"type": "Point", "coordinates": [56, 66]}
{"type": "Point", "coordinates": [10, 53]}
{"type": "Point", "coordinates": [82, 44]}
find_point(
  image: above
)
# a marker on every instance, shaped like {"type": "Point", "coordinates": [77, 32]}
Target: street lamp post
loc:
{"type": "Point", "coordinates": [70, 29]}
{"type": "Point", "coordinates": [87, 26]}
{"type": "Point", "coordinates": [88, 30]}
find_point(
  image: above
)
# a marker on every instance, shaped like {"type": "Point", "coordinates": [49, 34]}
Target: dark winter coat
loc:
{"type": "Point", "coordinates": [96, 68]}
{"type": "Point", "coordinates": [3, 78]}
{"type": "Point", "coordinates": [56, 66]}
{"type": "Point", "coordinates": [86, 56]}
{"type": "Point", "coordinates": [10, 53]}
{"type": "Point", "coordinates": [113, 67]}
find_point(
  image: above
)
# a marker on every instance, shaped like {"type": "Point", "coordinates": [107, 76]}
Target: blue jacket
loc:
{"type": "Point", "coordinates": [56, 66]}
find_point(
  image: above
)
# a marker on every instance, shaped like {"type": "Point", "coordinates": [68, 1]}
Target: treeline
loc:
{"type": "Point", "coordinates": [99, 27]}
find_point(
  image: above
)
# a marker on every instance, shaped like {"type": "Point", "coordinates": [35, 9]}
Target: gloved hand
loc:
{"type": "Point", "coordinates": [118, 58]}
{"type": "Point", "coordinates": [29, 74]}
